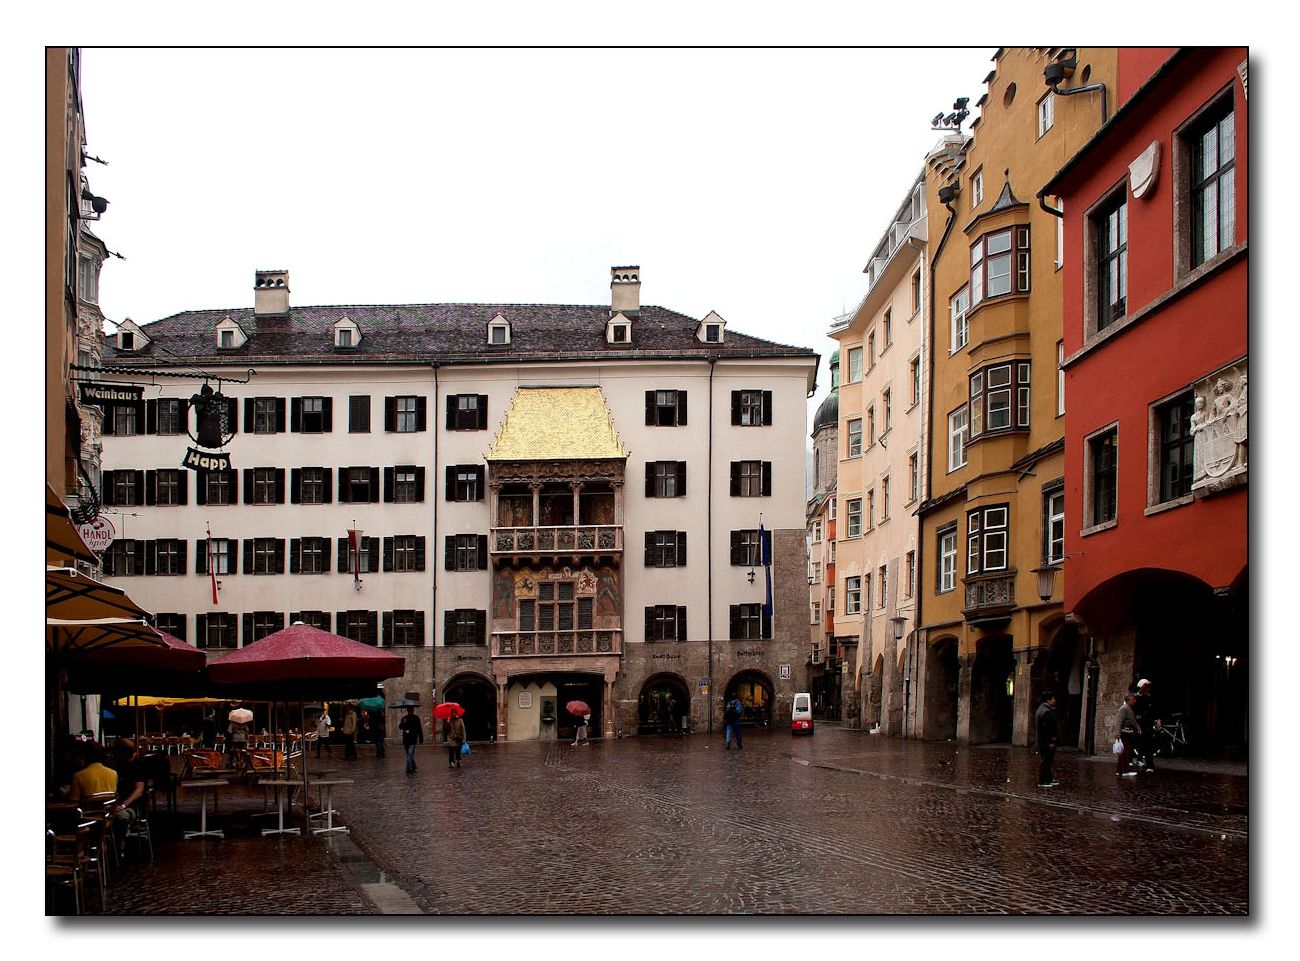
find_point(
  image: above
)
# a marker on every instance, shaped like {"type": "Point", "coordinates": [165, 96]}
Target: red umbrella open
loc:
{"type": "Point", "coordinates": [577, 708]}
{"type": "Point", "coordinates": [175, 668]}
{"type": "Point", "coordinates": [447, 710]}
{"type": "Point", "coordinates": [307, 658]}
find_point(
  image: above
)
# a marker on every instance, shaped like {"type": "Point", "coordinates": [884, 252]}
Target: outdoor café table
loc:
{"type": "Point", "coordinates": [330, 826]}
{"type": "Point", "coordinates": [203, 787]}
{"type": "Point", "coordinates": [278, 783]}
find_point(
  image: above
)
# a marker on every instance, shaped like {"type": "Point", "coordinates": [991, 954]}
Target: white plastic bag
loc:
{"type": "Point", "coordinates": [1117, 748]}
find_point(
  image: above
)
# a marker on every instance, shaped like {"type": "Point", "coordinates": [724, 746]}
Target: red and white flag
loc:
{"type": "Point", "coordinates": [212, 565]}
{"type": "Point", "coordinates": [354, 550]}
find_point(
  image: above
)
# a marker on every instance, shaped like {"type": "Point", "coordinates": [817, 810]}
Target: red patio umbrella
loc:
{"type": "Point", "coordinates": [577, 708]}
{"type": "Point", "coordinates": [447, 710]}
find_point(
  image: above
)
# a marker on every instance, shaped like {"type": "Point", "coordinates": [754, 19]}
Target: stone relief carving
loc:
{"type": "Point", "coordinates": [1219, 430]}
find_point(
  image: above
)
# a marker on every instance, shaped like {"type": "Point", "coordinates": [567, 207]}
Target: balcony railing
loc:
{"type": "Point", "coordinates": [583, 538]}
{"type": "Point", "coordinates": [988, 597]}
{"type": "Point", "coordinates": [556, 643]}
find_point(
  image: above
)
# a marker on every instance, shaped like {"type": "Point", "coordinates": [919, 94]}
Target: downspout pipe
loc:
{"type": "Point", "coordinates": [1054, 83]}
{"type": "Point", "coordinates": [908, 719]}
{"type": "Point", "coordinates": [709, 543]}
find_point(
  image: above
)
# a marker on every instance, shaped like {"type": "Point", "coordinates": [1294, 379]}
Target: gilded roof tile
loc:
{"type": "Point", "coordinates": [557, 423]}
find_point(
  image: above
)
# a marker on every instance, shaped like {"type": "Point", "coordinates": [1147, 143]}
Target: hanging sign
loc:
{"type": "Point", "coordinates": [98, 534]}
{"type": "Point", "coordinates": [109, 395]}
{"type": "Point", "coordinates": [206, 462]}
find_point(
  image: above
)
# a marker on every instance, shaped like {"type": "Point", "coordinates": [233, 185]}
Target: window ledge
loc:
{"type": "Point", "coordinates": [1168, 505]}
{"type": "Point", "coordinates": [1098, 528]}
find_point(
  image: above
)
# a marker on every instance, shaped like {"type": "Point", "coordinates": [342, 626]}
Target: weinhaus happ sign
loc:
{"type": "Point", "coordinates": [212, 431]}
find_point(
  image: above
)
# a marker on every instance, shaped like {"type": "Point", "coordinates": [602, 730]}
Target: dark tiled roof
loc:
{"type": "Point", "coordinates": [442, 332]}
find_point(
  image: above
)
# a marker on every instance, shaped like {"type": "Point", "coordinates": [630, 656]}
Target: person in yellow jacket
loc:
{"type": "Point", "coordinates": [94, 777]}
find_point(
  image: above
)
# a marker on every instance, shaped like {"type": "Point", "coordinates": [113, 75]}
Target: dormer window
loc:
{"type": "Point", "coordinates": [712, 333]}
{"type": "Point", "coordinates": [230, 336]}
{"type": "Point", "coordinates": [618, 333]}
{"type": "Point", "coordinates": [498, 332]}
{"type": "Point", "coordinates": [227, 341]}
{"type": "Point", "coordinates": [618, 330]}
{"type": "Point", "coordinates": [347, 335]}
{"type": "Point", "coordinates": [712, 329]}
{"type": "Point", "coordinates": [131, 337]}
{"type": "Point", "coordinates": [126, 340]}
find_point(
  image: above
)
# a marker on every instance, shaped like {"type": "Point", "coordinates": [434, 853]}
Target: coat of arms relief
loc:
{"type": "Point", "coordinates": [1218, 426]}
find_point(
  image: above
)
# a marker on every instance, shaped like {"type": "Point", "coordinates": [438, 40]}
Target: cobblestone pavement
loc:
{"type": "Point", "coordinates": [839, 823]}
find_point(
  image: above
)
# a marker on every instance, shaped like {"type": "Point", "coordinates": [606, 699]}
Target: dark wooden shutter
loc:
{"type": "Point", "coordinates": [451, 412]}
{"type": "Point", "coordinates": [248, 629]}
{"type": "Point", "coordinates": [449, 553]}
{"type": "Point", "coordinates": [681, 478]}
{"type": "Point", "coordinates": [151, 416]}
{"type": "Point", "coordinates": [200, 488]}
{"type": "Point", "coordinates": [295, 485]}
{"type": "Point", "coordinates": [735, 478]}
{"type": "Point", "coordinates": [767, 408]}
{"type": "Point", "coordinates": [248, 486]}
{"type": "Point", "coordinates": [421, 413]}
{"type": "Point", "coordinates": [419, 484]}
{"type": "Point", "coordinates": [295, 555]}
{"type": "Point", "coordinates": [108, 494]}
{"type": "Point", "coordinates": [449, 485]}
{"type": "Point", "coordinates": [139, 416]}
{"type": "Point", "coordinates": [735, 621]}
{"type": "Point", "coordinates": [139, 487]}
{"type": "Point", "coordinates": [482, 552]}
{"type": "Point", "coordinates": [182, 559]}
{"type": "Point", "coordinates": [419, 553]}
{"type": "Point", "coordinates": [279, 555]}
{"type": "Point", "coordinates": [480, 626]}
{"type": "Point", "coordinates": [372, 549]}
{"type": "Point", "coordinates": [327, 484]}
{"type": "Point", "coordinates": [681, 548]}
{"type": "Point", "coordinates": [649, 548]}
{"type": "Point", "coordinates": [372, 628]}
{"type": "Point", "coordinates": [736, 559]}
{"type": "Point", "coordinates": [481, 473]}
{"type": "Point", "coordinates": [374, 485]}
{"type": "Point", "coordinates": [649, 479]}
{"type": "Point", "coordinates": [250, 405]}
{"type": "Point", "coordinates": [390, 414]}
{"type": "Point", "coordinates": [279, 414]}
{"type": "Point", "coordinates": [649, 623]}
{"type": "Point", "coordinates": [232, 414]}
{"type": "Point", "coordinates": [681, 623]}
{"type": "Point", "coordinates": [183, 487]}
{"type": "Point", "coordinates": [345, 494]}
{"type": "Point", "coordinates": [419, 628]}
{"type": "Point", "coordinates": [327, 415]}
{"type": "Point", "coordinates": [295, 415]}
{"type": "Point", "coordinates": [650, 418]}
{"type": "Point", "coordinates": [735, 407]}
{"type": "Point", "coordinates": [107, 427]}
{"type": "Point", "coordinates": [151, 487]}
{"type": "Point", "coordinates": [343, 555]}
{"type": "Point", "coordinates": [448, 627]}
{"type": "Point", "coordinates": [767, 626]}
{"type": "Point", "coordinates": [388, 628]}
{"type": "Point", "coordinates": [200, 555]}
{"type": "Point", "coordinates": [388, 553]}
{"type": "Point", "coordinates": [279, 485]}
{"type": "Point", "coordinates": [482, 411]}
{"type": "Point", "coordinates": [234, 556]}
{"type": "Point", "coordinates": [681, 408]}
{"type": "Point", "coordinates": [201, 630]}
{"type": "Point", "coordinates": [767, 478]}
{"type": "Point", "coordinates": [248, 555]}
{"type": "Point", "coordinates": [388, 485]}
{"type": "Point", "coordinates": [151, 557]}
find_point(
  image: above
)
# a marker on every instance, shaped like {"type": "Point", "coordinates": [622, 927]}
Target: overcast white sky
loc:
{"type": "Point", "coordinates": [751, 182]}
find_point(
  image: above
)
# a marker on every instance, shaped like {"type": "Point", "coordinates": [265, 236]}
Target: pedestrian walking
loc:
{"type": "Point", "coordinates": [581, 736]}
{"type": "Point", "coordinates": [1128, 731]}
{"type": "Point", "coordinates": [412, 734]}
{"type": "Point", "coordinates": [377, 732]}
{"type": "Point", "coordinates": [323, 723]}
{"type": "Point", "coordinates": [731, 715]}
{"type": "Point", "coordinates": [350, 734]}
{"type": "Point", "coordinates": [454, 729]}
{"type": "Point", "coordinates": [1048, 731]}
{"type": "Point", "coordinates": [1148, 720]}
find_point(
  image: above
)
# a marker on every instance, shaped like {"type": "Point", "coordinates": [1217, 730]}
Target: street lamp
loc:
{"type": "Point", "coordinates": [897, 626]}
{"type": "Point", "coordinates": [1046, 582]}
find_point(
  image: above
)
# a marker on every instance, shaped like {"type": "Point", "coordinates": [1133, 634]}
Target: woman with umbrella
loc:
{"type": "Point", "coordinates": [453, 727]}
{"type": "Point", "coordinates": [583, 712]}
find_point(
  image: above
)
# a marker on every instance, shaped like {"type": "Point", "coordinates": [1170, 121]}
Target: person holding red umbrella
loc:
{"type": "Point", "coordinates": [453, 728]}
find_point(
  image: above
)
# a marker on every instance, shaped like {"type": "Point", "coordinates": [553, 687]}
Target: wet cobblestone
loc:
{"type": "Point", "coordinates": [840, 823]}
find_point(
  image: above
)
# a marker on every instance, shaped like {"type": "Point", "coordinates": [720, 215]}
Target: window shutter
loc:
{"type": "Point", "coordinates": [295, 486]}
{"type": "Point", "coordinates": [681, 478]}
{"type": "Point", "coordinates": [388, 628]}
{"type": "Point", "coordinates": [767, 626]}
{"type": "Point", "coordinates": [183, 487]}
{"type": "Point", "coordinates": [448, 627]}
{"type": "Point", "coordinates": [232, 414]}
{"type": "Point", "coordinates": [343, 555]}
{"type": "Point", "coordinates": [248, 485]}
{"type": "Point", "coordinates": [451, 412]}
{"type": "Point", "coordinates": [279, 555]}
{"type": "Point", "coordinates": [279, 414]}
{"type": "Point", "coordinates": [736, 559]}
{"type": "Point", "coordinates": [201, 630]}
{"type": "Point", "coordinates": [767, 478]}
{"type": "Point", "coordinates": [295, 415]}
{"type": "Point", "coordinates": [449, 485]}
{"type": "Point", "coordinates": [481, 473]}
{"type": "Point", "coordinates": [419, 484]}
{"type": "Point", "coordinates": [649, 408]}
{"type": "Point", "coordinates": [480, 626]}
{"type": "Point", "coordinates": [248, 629]}
{"type": "Point", "coordinates": [106, 427]}
{"type": "Point", "coordinates": [681, 623]}
{"type": "Point", "coordinates": [735, 622]}
{"type": "Point", "coordinates": [233, 555]}
{"type": "Point", "coordinates": [681, 408]}
{"type": "Point", "coordinates": [374, 485]}
{"type": "Point", "coordinates": [372, 628]}
{"type": "Point", "coordinates": [279, 485]}
{"type": "Point", "coordinates": [340, 621]}
{"type": "Point", "coordinates": [735, 478]}
{"type": "Point", "coordinates": [649, 623]}
{"type": "Point", "coordinates": [106, 483]}
{"type": "Point", "coordinates": [482, 411]}
{"type": "Point", "coordinates": [388, 485]}
{"type": "Point", "coordinates": [250, 405]}
{"type": "Point", "coordinates": [150, 557]}
{"type": "Point", "coordinates": [390, 414]}
{"type": "Point", "coordinates": [248, 555]}
{"type": "Point", "coordinates": [735, 408]}
{"type": "Point", "coordinates": [139, 486]}
{"type": "Point", "coordinates": [295, 555]}
{"type": "Point", "coordinates": [649, 479]}
{"type": "Point", "coordinates": [139, 416]}
{"type": "Point", "coordinates": [200, 488]}
{"type": "Point", "coordinates": [449, 553]}
{"type": "Point", "coordinates": [372, 549]}
{"type": "Point", "coordinates": [421, 413]}
{"type": "Point", "coordinates": [681, 548]}
{"type": "Point", "coordinates": [649, 548]}
{"type": "Point", "coordinates": [182, 561]}
{"type": "Point", "coordinates": [327, 415]}
{"type": "Point", "coordinates": [388, 553]}
{"type": "Point", "coordinates": [151, 487]}
{"type": "Point", "coordinates": [200, 555]}
{"type": "Point", "coordinates": [419, 553]}
{"type": "Point", "coordinates": [767, 408]}
{"type": "Point", "coordinates": [345, 495]}
{"type": "Point", "coordinates": [327, 484]}
{"type": "Point", "coordinates": [151, 416]}
{"type": "Point", "coordinates": [419, 628]}
{"type": "Point", "coordinates": [482, 552]}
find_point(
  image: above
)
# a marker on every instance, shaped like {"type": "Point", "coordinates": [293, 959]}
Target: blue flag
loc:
{"type": "Point", "coordinates": [765, 546]}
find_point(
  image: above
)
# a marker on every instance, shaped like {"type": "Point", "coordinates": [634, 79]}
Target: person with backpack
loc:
{"type": "Point", "coordinates": [731, 714]}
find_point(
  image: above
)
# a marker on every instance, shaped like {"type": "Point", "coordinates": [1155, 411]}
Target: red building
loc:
{"type": "Point", "coordinates": [1154, 364]}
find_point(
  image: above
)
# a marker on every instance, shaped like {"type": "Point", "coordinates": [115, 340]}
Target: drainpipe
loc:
{"type": "Point", "coordinates": [430, 488]}
{"type": "Point", "coordinates": [951, 195]}
{"type": "Point", "coordinates": [709, 544]}
{"type": "Point", "coordinates": [1056, 72]}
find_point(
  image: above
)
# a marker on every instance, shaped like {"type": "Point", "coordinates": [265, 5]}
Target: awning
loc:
{"type": "Point", "coordinates": [82, 614]}
{"type": "Point", "coordinates": [61, 535]}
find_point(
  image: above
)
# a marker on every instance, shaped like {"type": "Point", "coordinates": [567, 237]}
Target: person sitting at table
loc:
{"type": "Point", "coordinates": [132, 776]}
{"type": "Point", "coordinates": [94, 777]}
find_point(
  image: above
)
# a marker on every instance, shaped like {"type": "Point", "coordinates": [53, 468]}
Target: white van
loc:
{"type": "Point", "coordinates": [801, 719]}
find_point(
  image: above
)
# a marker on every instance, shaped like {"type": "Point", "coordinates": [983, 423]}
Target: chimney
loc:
{"type": "Point", "coordinates": [271, 293]}
{"type": "Point", "coordinates": [625, 291]}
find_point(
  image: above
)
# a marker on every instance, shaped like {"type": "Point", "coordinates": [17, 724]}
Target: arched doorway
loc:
{"type": "Point", "coordinates": [942, 672]}
{"type": "Point", "coordinates": [1064, 678]}
{"type": "Point", "coordinates": [992, 695]}
{"type": "Point", "coordinates": [577, 687]}
{"type": "Point", "coordinates": [478, 696]}
{"type": "Point", "coordinates": [755, 693]}
{"type": "Point", "coordinates": [665, 699]}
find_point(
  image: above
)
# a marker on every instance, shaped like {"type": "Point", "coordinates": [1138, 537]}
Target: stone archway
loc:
{"type": "Point", "coordinates": [1063, 674]}
{"type": "Point", "coordinates": [757, 695]}
{"type": "Point", "coordinates": [665, 699]}
{"type": "Point", "coordinates": [478, 696]}
{"type": "Point", "coordinates": [992, 694]}
{"type": "Point", "coordinates": [875, 693]}
{"type": "Point", "coordinates": [942, 674]}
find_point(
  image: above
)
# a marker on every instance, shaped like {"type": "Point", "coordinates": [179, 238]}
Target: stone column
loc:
{"type": "Point", "coordinates": [965, 662]}
{"type": "Point", "coordinates": [1022, 709]}
{"type": "Point", "coordinates": [503, 710]}
{"type": "Point", "coordinates": [607, 728]}
{"type": "Point", "coordinates": [576, 487]}
{"type": "Point", "coordinates": [537, 516]}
